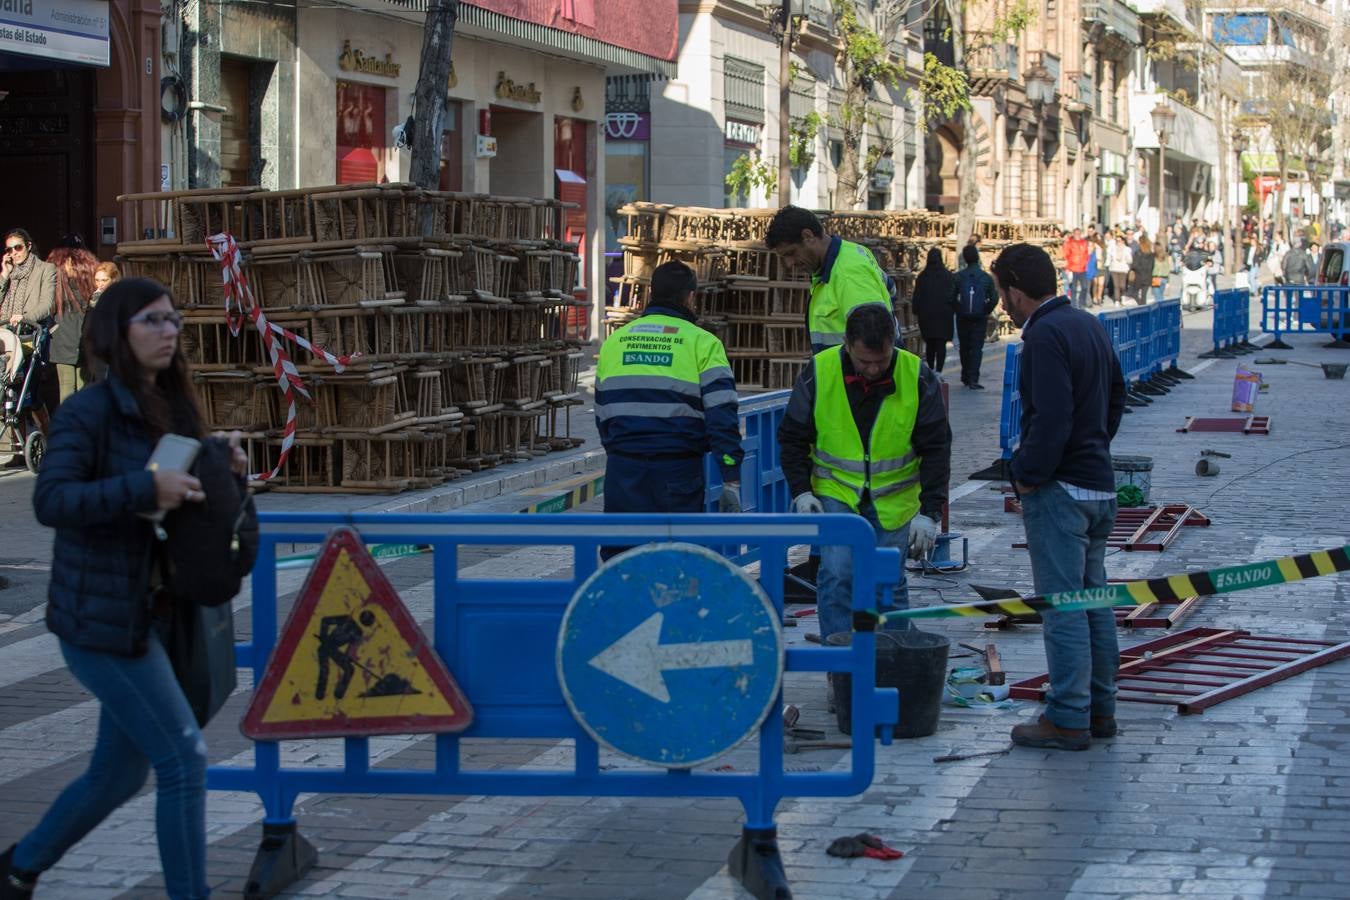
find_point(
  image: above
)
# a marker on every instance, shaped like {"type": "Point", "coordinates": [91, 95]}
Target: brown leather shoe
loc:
{"type": "Point", "coordinates": [1046, 735]}
{"type": "Point", "coordinates": [1104, 727]}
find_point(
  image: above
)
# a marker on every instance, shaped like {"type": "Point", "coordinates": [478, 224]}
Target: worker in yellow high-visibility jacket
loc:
{"type": "Point", "coordinates": [664, 397]}
{"type": "Point", "coordinates": [866, 432]}
{"type": "Point", "coordinates": [844, 275]}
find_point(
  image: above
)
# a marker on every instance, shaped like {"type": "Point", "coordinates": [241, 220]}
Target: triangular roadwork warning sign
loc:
{"type": "Point", "coordinates": [351, 660]}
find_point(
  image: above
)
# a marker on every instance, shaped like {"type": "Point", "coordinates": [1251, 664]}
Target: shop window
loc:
{"type": "Point", "coordinates": [361, 135]}
{"type": "Point", "coordinates": [625, 182]}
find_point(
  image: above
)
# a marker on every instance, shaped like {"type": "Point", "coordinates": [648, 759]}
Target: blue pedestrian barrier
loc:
{"type": "Point", "coordinates": [763, 485]}
{"type": "Point", "coordinates": [1306, 309]}
{"type": "Point", "coordinates": [1010, 411]}
{"type": "Point", "coordinates": [1147, 341]}
{"type": "Point", "coordinates": [1232, 315]}
{"type": "Point", "coordinates": [499, 640]}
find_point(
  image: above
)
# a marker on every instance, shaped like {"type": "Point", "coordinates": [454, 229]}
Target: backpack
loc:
{"type": "Point", "coordinates": [970, 293]}
{"type": "Point", "coordinates": [211, 546]}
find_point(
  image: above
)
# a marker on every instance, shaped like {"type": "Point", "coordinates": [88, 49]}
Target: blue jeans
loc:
{"type": "Point", "coordinates": [1158, 293]}
{"type": "Point", "coordinates": [1067, 542]}
{"type": "Point", "coordinates": [144, 721]}
{"type": "Point", "coordinates": [834, 584]}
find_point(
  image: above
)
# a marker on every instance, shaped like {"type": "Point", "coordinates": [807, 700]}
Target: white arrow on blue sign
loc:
{"type": "Point", "coordinates": [670, 655]}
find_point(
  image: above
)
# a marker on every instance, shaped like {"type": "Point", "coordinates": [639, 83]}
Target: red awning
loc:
{"type": "Point", "coordinates": [650, 27]}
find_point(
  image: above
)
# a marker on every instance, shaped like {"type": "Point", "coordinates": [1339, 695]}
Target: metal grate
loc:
{"type": "Point", "coordinates": [1150, 528]}
{"type": "Point", "coordinates": [1201, 667]}
{"type": "Point", "coordinates": [1240, 425]}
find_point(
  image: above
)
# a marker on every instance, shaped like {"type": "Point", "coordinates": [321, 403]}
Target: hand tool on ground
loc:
{"type": "Point", "coordinates": [791, 715]}
{"type": "Point", "coordinates": [802, 746]}
{"type": "Point", "coordinates": [958, 757]}
{"type": "Point", "coordinates": [1207, 465]}
{"type": "Point", "coordinates": [993, 665]}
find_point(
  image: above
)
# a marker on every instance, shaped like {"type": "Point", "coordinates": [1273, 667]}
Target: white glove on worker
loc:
{"type": "Point", "coordinates": [807, 503]}
{"type": "Point", "coordinates": [730, 499]}
{"type": "Point", "coordinates": [923, 533]}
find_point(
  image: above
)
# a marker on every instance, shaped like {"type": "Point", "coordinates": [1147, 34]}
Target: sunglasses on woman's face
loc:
{"type": "Point", "coordinates": [13, 248]}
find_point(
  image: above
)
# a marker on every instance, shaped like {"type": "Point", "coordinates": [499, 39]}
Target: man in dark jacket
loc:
{"type": "Point", "coordinates": [1073, 397]}
{"type": "Point", "coordinates": [664, 397]}
{"type": "Point", "coordinates": [866, 432]}
{"type": "Point", "coordinates": [975, 300]}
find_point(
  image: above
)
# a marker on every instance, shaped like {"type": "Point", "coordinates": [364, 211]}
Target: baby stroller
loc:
{"type": "Point", "coordinates": [23, 364]}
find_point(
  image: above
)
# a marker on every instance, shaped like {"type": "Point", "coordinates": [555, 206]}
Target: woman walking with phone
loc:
{"type": "Point", "coordinates": [106, 604]}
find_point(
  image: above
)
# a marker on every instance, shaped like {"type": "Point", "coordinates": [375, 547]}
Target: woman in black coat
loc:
{"type": "Point", "coordinates": [106, 604]}
{"type": "Point", "coordinates": [935, 307]}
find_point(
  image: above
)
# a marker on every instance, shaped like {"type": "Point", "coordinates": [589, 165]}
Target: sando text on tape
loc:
{"type": "Point", "coordinates": [1226, 580]}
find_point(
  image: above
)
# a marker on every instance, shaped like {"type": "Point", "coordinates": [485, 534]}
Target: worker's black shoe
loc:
{"type": "Point", "coordinates": [14, 885]}
{"type": "Point", "coordinates": [975, 386]}
{"type": "Point", "coordinates": [1104, 727]}
{"type": "Point", "coordinates": [1046, 735]}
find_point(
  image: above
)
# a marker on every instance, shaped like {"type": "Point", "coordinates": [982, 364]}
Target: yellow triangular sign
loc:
{"type": "Point", "coordinates": [351, 660]}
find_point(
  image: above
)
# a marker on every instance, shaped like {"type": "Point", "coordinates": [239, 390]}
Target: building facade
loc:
{"type": "Point", "coordinates": [722, 106]}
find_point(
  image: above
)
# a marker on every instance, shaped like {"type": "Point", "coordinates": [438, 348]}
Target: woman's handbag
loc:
{"type": "Point", "coordinates": [1157, 281]}
{"type": "Point", "coordinates": [201, 648]}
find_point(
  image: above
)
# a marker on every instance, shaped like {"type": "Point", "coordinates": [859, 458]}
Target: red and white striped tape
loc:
{"type": "Point", "coordinates": [240, 303]}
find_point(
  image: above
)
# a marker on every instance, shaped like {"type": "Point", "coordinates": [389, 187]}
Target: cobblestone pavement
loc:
{"type": "Point", "coordinates": [1251, 799]}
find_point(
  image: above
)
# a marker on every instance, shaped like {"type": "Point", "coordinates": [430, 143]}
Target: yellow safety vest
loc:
{"type": "Point", "coordinates": [855, 279]}
{"type": "Point", "coordinates": [887, 468]}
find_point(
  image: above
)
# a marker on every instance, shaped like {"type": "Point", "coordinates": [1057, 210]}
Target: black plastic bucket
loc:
{"type": "Point", "coordinates": [913, 662]}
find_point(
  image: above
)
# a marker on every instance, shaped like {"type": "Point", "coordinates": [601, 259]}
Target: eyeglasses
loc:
{"type": "Point", "coordinates": [160, 319]}
{"type": "Point", "coordinates": [14, 248]}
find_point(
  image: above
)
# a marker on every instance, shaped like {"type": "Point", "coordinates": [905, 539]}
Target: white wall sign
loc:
{"type": "Point", "coordinates": [68, 30]}
{"type": "Point", "coordinates": [743, 132]}
{"type": "Point", "coordinates": [487, 146]}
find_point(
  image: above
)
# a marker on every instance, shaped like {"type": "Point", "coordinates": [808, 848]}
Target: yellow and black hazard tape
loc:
{"type": "Point", "coordinates": [1227, 580]}
{"type": "Point", "coordinates": [570, 500]}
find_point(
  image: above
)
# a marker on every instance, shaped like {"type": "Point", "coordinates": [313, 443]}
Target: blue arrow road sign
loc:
{"type": "Point", "coordinates": [669, 654]}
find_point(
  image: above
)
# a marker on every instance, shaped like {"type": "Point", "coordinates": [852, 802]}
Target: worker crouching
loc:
{"type": "Point", "coordinates": [866, 432]}
{"type": "Point", "coordinates": [664, 397]}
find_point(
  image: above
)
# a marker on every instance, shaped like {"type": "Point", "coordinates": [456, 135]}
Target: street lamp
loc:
{"type": "Point", "coordinates": [1040, 91]}
{"type": "Point", "coordinates": [782, 16]}
{"type": "Point", "coordinates": [1164, 117]}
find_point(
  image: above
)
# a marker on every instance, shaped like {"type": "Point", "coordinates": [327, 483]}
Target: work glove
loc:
{"type": "Point", "coordinates": [730, 500]}
{"type": "Point", "coordinates": [807, 503]}
{"type": "Point", "coordinates": [922, 535]}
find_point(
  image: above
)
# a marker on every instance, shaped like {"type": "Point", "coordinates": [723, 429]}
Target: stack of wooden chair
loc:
{"type": "Point", "coordinates": [463, 358]}
{"type": "Point", "coordinates": [756, 307]}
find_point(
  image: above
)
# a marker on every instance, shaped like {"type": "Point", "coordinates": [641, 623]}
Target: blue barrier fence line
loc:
{"type": "Point", "coordinates": [1232, 321]}
{"type": "Point", "coordinates": [1010, 410]}
{"type": "Point", "coordinates": [1305, 309]}
{"type": "Point", "coordinates": [498, 637]}
{"type": "Point", "coordinates": [763, 486]}
{"type": "Point", "coordinates": [1147, 342]}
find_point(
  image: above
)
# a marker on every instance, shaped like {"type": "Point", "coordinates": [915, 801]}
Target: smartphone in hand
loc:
{"type": "Point", "coordinates": [173, 453]}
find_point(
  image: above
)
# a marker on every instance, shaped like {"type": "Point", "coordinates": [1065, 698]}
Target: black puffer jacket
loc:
{"type": "Point", "coordinates": [92, 484]}
{"type": "Point", "coordinates": [935, 303]}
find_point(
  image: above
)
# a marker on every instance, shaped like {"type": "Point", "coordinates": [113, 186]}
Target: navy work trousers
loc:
{"type": "Point", "coordinates": [634, 485]}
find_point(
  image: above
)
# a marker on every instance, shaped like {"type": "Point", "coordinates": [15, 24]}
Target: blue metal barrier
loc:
{"type": "Point", "coordinates": [1232, 314]}
{"type": "Point", "coordinates": [1166, 334]}
{"type": "Point", "coordinates": [762, 468]}
{"type": "Point", "coordinates": [1010, 411]}
{"type": "Point", "coordinates": [498, 638]}
{"type": "Point", "coordinates": [1147, 341]}
{"type": "Point", "coordinates": [1306, 309]}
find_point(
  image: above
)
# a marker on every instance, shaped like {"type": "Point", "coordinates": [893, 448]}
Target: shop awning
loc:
{"type": "Point", "coordinates": [59, 31]}
{"type": "Point", "coordinates": [636, 35]}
